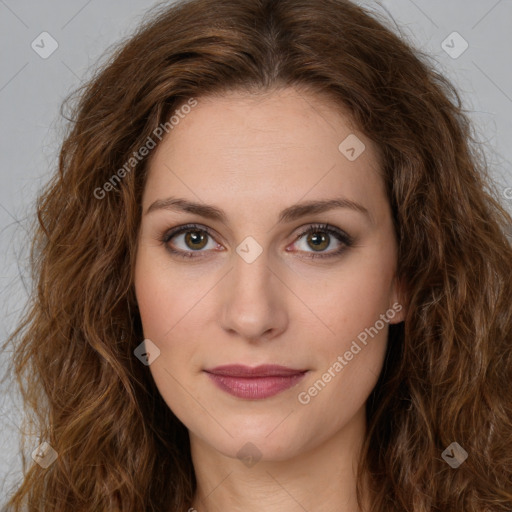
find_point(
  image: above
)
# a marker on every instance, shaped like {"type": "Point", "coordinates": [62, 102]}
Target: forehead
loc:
{"type": "Point", "coordinates": [262, 147]}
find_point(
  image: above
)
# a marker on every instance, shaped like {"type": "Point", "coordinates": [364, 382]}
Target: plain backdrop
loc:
{"type": "Point", "coordinates": [32, 89]}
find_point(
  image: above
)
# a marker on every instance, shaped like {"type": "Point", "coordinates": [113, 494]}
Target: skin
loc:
{"type": "Point", "coordinates": [253, 156]}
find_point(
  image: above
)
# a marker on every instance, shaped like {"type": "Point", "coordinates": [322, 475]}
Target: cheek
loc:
{"type": "Point", "coordinates": [153, 299]}
{"type": "Point", "coordinates": [164, 295]}
{"type": "Point", "coordinates": [352, 297]}
{"type": "Point", "coordinates": [170, 302]}
{"type": "Point", "coordinates": [158, 298]}
{"type": "Point", "coordinates": [163, 304]}
{"type": "Point", "coordinates": [364, 296]}
{"type": "Point", "coordinates": [351, 357]}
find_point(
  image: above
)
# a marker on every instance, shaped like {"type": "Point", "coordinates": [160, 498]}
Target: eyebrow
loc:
{"type": "Point", "coordinates": [287, 215]}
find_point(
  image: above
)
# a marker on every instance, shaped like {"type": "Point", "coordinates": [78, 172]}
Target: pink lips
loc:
{"type": "Point", "coordinates": [254, 383]}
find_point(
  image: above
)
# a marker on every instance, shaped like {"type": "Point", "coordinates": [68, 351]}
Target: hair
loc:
{"type": "Point", "coordinates": [448, 366]}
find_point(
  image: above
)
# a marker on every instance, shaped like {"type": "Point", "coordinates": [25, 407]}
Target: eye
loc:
{"type": "Point", "coordinates": [194, 239]}
{"type": "Point", "coordinates": [320, 237]}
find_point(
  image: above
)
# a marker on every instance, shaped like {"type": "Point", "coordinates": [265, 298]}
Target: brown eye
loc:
{"type": "Point", "coordinates": [196, 239]}
{"type": "Point", "coordinates": [187, 240]}
{"type": "Point", "coordinates": [318, 238]}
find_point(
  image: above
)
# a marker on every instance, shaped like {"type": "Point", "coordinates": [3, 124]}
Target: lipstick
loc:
{"type": "Point", "coordinates": [254, 383]}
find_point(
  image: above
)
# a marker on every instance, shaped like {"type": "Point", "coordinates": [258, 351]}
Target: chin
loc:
{"type": "Point", "coordinates": [268, 441]}
{"type": "Point", "coordinates": [260, 449]}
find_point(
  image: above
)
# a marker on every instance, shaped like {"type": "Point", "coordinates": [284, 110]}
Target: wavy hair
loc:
{"type": "Point", "coordinates": [448, 366]}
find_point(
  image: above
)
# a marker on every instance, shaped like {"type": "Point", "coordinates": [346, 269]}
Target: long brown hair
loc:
{"type": "Point", "coordinates": [448, 366]}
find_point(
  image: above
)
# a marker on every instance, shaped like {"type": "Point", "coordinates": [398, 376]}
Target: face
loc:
{"type": "Point", "coordinates": [254, 274]}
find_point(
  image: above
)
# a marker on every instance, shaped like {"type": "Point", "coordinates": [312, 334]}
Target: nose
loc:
{"type": "Point", "coordinates": [254, 301]}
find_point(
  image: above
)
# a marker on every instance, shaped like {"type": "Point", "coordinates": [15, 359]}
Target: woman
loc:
{"type": "Point", "coordinates": [261, 284]}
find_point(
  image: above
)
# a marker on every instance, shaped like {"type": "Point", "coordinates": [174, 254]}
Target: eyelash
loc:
{"type": "Point", "coordinates": [341, 236]}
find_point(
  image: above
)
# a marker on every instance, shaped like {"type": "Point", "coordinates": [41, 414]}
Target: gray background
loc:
{"type": "Point", "coordinates": [32, 89]}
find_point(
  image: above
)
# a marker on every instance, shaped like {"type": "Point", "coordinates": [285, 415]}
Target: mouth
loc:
{"type": "Point", "coordinates": [254, 383]}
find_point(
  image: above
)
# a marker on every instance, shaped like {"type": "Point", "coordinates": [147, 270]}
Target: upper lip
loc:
{"type": "Point", "coordinates": [265, 370]}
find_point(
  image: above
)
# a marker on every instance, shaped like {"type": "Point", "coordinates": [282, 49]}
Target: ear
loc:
{"type": "Point", "coordinates": [398, 302]}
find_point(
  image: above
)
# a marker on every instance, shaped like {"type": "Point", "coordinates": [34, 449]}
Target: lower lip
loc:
{"type": "Point", "coordinates": [255, 388]}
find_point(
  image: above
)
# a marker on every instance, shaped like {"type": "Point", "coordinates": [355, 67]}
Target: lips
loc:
{"type": "Point", "coordinates": [254, 383]}
{"type": "Point", "coordinates": [266, 370]}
